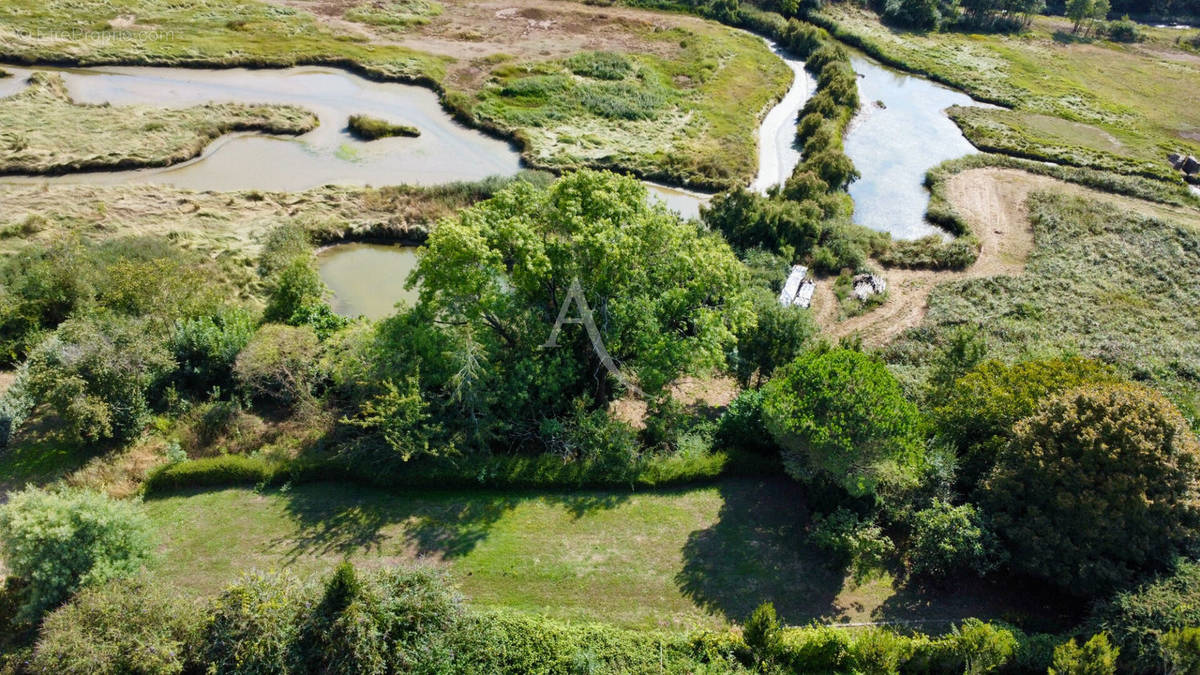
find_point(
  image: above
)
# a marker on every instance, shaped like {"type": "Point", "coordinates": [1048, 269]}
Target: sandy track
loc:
{"type": "Point", "coordinates": [993, 202]}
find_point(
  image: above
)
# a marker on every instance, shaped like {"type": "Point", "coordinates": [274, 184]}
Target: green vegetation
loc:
{"type": "Point", "coordinates": [57, 543]}
{"type": "Point", "coordinates": [395, 14]}
{"type": "Point", "coordinates": [46, 132]}
{"type": "Point", "coordinates": [370, 128]}
{"type": "Point", "coordinates": [231, 228]}
{"type": "Point", "coordinates": [1054, 139]}
{"type": "Point", "coordinates": [710, 83]}
{"type": "Point", "coordinates": [1141, 619]}
{"type": "Point", "coordinates": [637, 112]}
{"type": "Point", "coordinates": [411, 619]}
{"type": "Point", "coordinates": [841, 414]}
{"type": "Point", "coordinates": [1094, 286]}
{"type": "Point", "coordinates": [1107, 98]}
{"type": "Point", "coordinates": [1126, 455]}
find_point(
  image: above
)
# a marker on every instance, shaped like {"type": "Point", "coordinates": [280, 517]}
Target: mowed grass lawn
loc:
{"type": "Point", "coordinates": [688, 558]}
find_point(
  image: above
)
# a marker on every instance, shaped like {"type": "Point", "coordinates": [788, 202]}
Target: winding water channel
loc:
{"type": "Point", "coordinates": [900, 132]}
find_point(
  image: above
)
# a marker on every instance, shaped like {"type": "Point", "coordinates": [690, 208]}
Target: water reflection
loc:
{"type": "Point", "coordinates": [894, 145]}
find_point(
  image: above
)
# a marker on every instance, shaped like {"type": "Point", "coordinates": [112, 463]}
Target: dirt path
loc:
{"type": "Point", "coordinates": [993, 202]}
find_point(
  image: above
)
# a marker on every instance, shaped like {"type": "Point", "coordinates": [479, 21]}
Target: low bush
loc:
{"type": "Point", "coordinates": [371, 128]}
{"type": "Point", "coordinates": [949, 540]}
{"type": "Point", "coordinates": [128, 626]}
{"type": "Point", "coordinates": [741, 425]}
{"type": "Point", "coordinates": [1094, 657]}
{"type": "Point", "coordinates": [851, 541]}
{"type": "Point", "coordinates": [498, 471]}
{"type": "Point", "coordinates": [59, 542]}
{"type": "Point", "coordinates": [1138, 619]}
{"type": "Point", "coordinates": [778, 335]}
{"type": "Point", "coordinates": [279, 364]}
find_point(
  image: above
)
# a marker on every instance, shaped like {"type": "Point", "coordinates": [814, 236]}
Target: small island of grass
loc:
{"type": "Point", "coordinates": [371, 128]}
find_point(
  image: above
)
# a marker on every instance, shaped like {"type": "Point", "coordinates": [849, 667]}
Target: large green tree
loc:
{"type": "Point", "coordinates": [1097, 487]}
{"type": "Point", "coordinates": [841, 414]}
{"type": "Point", "coordinates": [666, 298]}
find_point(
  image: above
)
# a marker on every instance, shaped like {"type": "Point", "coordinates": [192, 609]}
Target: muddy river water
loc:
{"type": "Point", "coordinates": [900, 132]}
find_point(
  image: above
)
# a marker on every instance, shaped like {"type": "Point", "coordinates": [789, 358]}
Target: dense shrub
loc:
{"type": "Point", "coordinates": [1181, 647]}
{"type": "Point", "coordinates": [600, 65]}
{"type": "Point", "coordinates": [1123, 30]}
{"type": "Point", "coordinates": [779, 334]}
{"type": "Point", "coordinates": [59, 542]}
{"type": "Point", "coordinates": [1096, 488]}
{"type": "Point", "coordinates": [1094, 657]}
{"type": "Point", "coordinates": [253, 625]}
{"type": "Point", "coordinates": [98, 376]}
{"type": "Point", "coordinates": [851, 541]}
{"type": "Point", "coordinates": [948, 540]}
{"type": "Point", "coordinates": [205, 347]}
{"type": "Point", "coordinates": [1140, 618]}
{"type": "Point", "coordinates": [121, 627]}
{"type": "Point", "coordinates": [840, 413]}
{"type": "Point", "coordinates": [920, 14]}
{"type": "Point", "coordinates": [279, 364]}
{"type": "Point", "coordinates": [978, 411]}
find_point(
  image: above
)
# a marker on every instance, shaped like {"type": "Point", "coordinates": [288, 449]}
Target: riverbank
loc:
{"type": "Point", "coordinates": [46, 132]}
{"type": "Point", "coordinates": [1111, 105]}
{"type": "Point", "coordinates": [709, 83]}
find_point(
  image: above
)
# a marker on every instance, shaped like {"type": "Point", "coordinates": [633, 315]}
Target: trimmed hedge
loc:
{"type": "Point", "coordinates": [544, 471]}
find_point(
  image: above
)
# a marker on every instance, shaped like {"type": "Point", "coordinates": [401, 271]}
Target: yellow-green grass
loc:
{"type": "Point", "coordinates": [714, 82]}
{"type": "Point", "coordinates": [230, 227]}
{"type": "Point", "coordinates": [698, 557]}
{"type": "Point", "coordinates": [42, 131]}
{"type": "Point", "coordinates": [1102, 282]}
{"type": "Point", "coordinates": [1135, 102]}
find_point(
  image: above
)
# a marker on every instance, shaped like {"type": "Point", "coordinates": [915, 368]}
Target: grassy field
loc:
{"type": "Point", "coordinates": [44, 131]}
{"type": "Point", "coordinates": [670, 559]}
{"type": "Point", "coordinates": [1103, 281]}
{"type": "Point", "coordinates": [685, 112]}
{"type": "Point", "coordinates": [1126, 104]}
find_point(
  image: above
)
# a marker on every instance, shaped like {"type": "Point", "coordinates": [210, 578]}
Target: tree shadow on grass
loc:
{"type": "Point", "coordinates": [341, 519]}
{"type": "Point", "coordinates": [755, 553]}
{"type": "Point", "coordinates": [1026, 603]}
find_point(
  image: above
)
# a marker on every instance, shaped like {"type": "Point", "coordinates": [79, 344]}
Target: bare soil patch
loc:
{"type": "Point", "coordinates": [474, 33]}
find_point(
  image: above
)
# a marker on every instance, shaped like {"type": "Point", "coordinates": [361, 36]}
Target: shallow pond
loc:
{"type": "Point", "coordinates": [446, 151]}
{"type": "Point", "coordinates": [367, 279]}
{"type": "Point", "coordinates": [894, 145]}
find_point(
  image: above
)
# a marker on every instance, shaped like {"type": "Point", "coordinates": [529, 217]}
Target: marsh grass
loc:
{"type": "Point", "coordinates": [231, 227]}
{"type": "Point", "coordinates": [371, 128]}
{"type": "Point", "coordinates": [1142, 100]}
{"type": "Point", "coordinates": [692, 120]}
{"type": "Point", "coordinates": [1102, 282]}
{"type": "Point", "coordinates": [1054, 139]}
{"type": "Point", "coordinates": [394, 13]}
{"type": "Point", "coordinates": [688, 119]}
{"type": "Point", "coordinates": [42, 131]}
